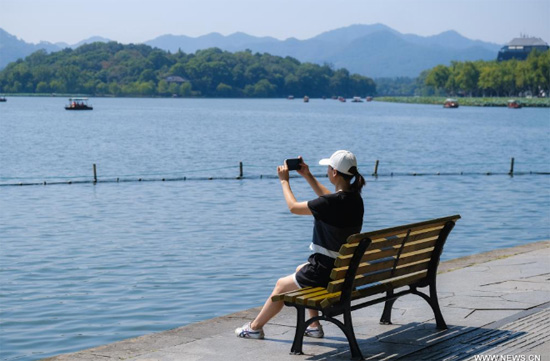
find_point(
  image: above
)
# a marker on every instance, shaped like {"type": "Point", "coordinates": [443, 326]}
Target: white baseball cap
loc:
{"type": "Point", "coordinates": [341, 160]}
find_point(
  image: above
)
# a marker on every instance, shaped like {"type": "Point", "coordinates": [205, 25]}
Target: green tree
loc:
{"type": "Point", "coordinates": [292, 85]}
{"type": "Point", "coordinates": [255, 73]}
{"type": "Point", "coordinates": [224, 90]}
{"type": "Point", "coordinates": [130, 70]}
{"type": "Point", "coordinates": [491, 80]}
{"type": "Point", "coordinates": [339, 82]}
{"type": "Point", "coordinates": [147, 75]}
{"type": "Point", "coordinates": [163, 88]}
{"type": "Point", "coordinates": [146, 88]}
{"type": "Point", "coordinates": [438, 77]}
{"type": "Point", "coordinates": [115, 89]}
{"type": "Point", "coordinates": [42, 87]}
{"type": "Point", "coordinates": [178, 69]}
{"type": "Point", "coordinates": [58, 86]}
{"type": "Point", "coordinates": [185, 89]}
{"type": "Point", "coordinates": [468, 77]}
{"type": "Point", "coordinates": [102, 88]}
{"type": "Point", "coordinates": [264, 89]}
{"type": "Point", "coordinates": [173, 88]}
{"type": "Point", "coordinates": [160, 59]}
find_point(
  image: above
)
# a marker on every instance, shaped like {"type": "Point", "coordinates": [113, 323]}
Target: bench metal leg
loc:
{"type": "Point", "coordinates": [350, 334]}
{"type": "Point", "coordinates": [434, 304]}
{"type": "Point", "coordinates": [440, 322]}
{"type": "Point", "coordinates": [386, 315]}
{"type": "Point", "coordinates": [346, 327]}
{"type": "Point", "coordinates": [300, 329]}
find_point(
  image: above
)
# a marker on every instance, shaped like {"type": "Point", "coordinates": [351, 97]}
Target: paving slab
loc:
{"type": "Point", "coordinates": [495, 304]}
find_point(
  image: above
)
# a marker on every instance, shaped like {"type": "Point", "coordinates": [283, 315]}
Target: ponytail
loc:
{"type": "Point", "coordinates": [359, 181]}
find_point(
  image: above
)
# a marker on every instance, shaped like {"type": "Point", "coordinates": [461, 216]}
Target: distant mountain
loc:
{"type": "Point", "coordinates": [450, 39]}
{"type": "Point", "coordinates": [352, 32]}
{"type": "Point", "coordinates": [233, 42]}
{"type": "Point", "coordinates": [391, 54]}
{"type": "Point", "coordinates": [93, 39]}
{"type": "Point", "coordinates": [12, 48]}
{"type": "Point", "coordinates": [372, 50]}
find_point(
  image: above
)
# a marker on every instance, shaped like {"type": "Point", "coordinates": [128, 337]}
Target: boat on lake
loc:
{"type": "Point", "coordinates": [514, 104]}
{"type": "Point", "coordinates": [342, 99]}
{"type": "Point", "coordinates": [356, 100]}
{"type": "Point", "coordinates": [369, 99]}
{"type": "Point", "coordinates": [78, 104]}
{"type": "Point", "coordinates": [3, 98]}
{"type": "Point", "coordinates": [450, 103]}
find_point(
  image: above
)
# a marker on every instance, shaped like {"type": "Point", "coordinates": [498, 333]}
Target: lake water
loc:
{"type": "Point", "coordinates": [83, 265]}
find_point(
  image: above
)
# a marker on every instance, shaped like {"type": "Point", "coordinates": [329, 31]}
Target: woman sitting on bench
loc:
{"type": "Point", "coordinates": [337, 216]}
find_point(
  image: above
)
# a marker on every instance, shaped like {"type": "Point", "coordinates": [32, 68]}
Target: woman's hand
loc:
{"type": "Point", "coordinates": [317, 187]}
{"type": "Point", "coordinates": [293, 205]}
{"type": "Point", "coordinates": [282, 172]}
{"type": "Point", "coordinates": [304, 168]}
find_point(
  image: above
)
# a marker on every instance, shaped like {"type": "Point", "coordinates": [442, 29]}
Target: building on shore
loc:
{"type": "Point", "coordinates": [175, 79]}
{"type": "Point", "coordinates": [519, 48]}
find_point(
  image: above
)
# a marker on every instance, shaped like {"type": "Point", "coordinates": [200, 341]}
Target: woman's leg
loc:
{"type": "Point", "coordinates": [271, 308]}
{"type": "Point", "coordinates": [312, 313]}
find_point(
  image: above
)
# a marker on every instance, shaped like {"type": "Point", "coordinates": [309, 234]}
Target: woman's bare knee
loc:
{"type": "Point", "coordinates": [285, 284]}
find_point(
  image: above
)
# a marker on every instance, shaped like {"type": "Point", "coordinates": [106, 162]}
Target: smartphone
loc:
{"type": "Point", "coordinates": [293, 163]}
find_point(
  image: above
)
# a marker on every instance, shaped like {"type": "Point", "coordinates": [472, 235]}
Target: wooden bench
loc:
{"type": "Point", "coordinates": [372, 263]}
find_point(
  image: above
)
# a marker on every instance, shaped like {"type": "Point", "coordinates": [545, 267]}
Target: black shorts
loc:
{"type": "Point", "coordinates": [315, 273]}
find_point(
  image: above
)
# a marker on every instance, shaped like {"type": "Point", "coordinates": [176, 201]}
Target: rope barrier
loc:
{"type": "Point", "coordinates": [177, 176]}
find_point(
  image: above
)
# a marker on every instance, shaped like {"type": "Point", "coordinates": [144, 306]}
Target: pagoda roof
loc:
{"type": "Point", "coordinates": [527, 41]}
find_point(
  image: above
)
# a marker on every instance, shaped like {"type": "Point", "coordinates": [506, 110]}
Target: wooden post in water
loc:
{"type": "Point", "coordinates": [376, 169]}
{"type": "Point", "coordinates": [240, 170]}
{"type": "Point", "coordinates": [511, 167]}
{"type": "Point", "coordinates": [95, 174]}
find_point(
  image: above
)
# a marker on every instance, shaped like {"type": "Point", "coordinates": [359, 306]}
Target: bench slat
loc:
{"type": "Point", "coordinates": [330, 298]}
{"type": "Point", "coordinates": [344, 261]}
{"type": "Point", "coordinates": [379, 244]}
{"type": "Point", "coordinates": [291, 294]}
{"type": "Point", "coordinates": [366, 270]}
{"type": "Point", "coordinates": [373, 289]}
{"type": "Point", "coordinates": [302, 300]}
{"type": "Point", "coordinates": [391, 231]}
{"type": "Point", "coordinates": [402, 270]}
{"type": "Point", "coordinates": [316, 301]}
{"type": "Point", "coordinates": [391, 284]}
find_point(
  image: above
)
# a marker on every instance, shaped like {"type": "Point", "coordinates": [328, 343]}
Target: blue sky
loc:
{"type": "Point", "coordinates": [135, 21]}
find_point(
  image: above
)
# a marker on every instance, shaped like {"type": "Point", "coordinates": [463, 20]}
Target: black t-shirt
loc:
{"type": "Point", "coordinates": [337, 216]}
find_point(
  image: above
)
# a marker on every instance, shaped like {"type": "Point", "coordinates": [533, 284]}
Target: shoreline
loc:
{"type": "Point", "coordinates": [428, 100]}
{"type": "Point", "coordinates": [213, 339]}
{"type": "Point", "coordinates": [467, 101]}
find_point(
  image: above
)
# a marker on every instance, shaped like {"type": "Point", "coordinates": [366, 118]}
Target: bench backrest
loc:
{"type": "Point", "coordinates": [385, 259]}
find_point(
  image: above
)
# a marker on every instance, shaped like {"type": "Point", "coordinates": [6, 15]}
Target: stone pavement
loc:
{"type": "Point", "coordinates": [496, 304]}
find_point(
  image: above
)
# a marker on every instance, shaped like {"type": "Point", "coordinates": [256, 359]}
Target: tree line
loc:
{"type": "Point", "coordinates": [490, 78]}
{"type": "Point", "coordinates": [477, 79]}
{"type": "Point", "coordinates": [113, 69]}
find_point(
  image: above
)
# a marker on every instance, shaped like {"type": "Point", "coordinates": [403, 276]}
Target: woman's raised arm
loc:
{"type": "Point", "coordinates": [317, 187]}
